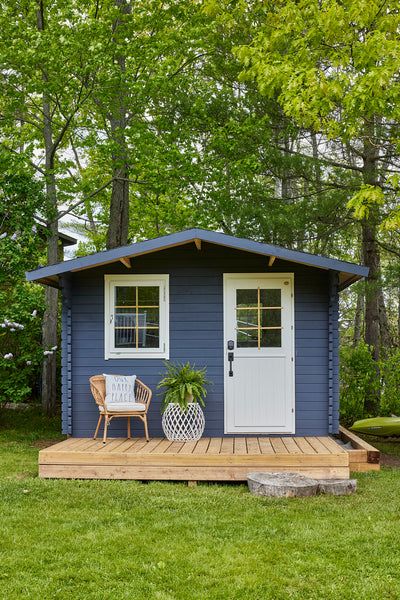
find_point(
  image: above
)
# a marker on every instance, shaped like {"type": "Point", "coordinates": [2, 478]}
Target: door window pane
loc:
{"type": "Point", "coordinates": [246, 298]}
{"type": "Point", "coordinates": [271, 338]}
{"type": "Point", "coordinates": [270, 297]}
{"type": "Point", "coordinates": [271, 317]}
{"type": "Point", "coordinates": [258, 318]}
{"type": "Point", "coordinates": [247, 338]}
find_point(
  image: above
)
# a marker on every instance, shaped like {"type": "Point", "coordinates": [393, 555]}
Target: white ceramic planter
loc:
{"type": "Point", "coordinates": [183, 426]}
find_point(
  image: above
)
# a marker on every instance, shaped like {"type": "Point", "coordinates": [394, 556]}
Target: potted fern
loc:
{"type": "Point", "coordinates": [184, 393]}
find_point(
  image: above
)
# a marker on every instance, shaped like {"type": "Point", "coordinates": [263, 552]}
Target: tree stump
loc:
{"type": "Point", "coordinates": [281, 485]}
{"type": "Point", "coordinates": [337, 487]}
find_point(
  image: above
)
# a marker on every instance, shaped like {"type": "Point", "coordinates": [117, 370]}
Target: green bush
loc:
{"type": "Point", "coordinates": [390, 373]}
{"type": "Point", "coordinates": [359, 377]}
{"type": "Point", "coordinates": [21, 353]}
{"type": "Point", "coordinates": [22, 244]}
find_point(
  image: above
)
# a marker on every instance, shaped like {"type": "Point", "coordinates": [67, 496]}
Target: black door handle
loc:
{"type": "Point", "coordinates": [230, 359]}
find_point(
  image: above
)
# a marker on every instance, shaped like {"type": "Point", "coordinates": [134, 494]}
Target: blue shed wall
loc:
{"type": "Point", "coordinates": [196, 334]}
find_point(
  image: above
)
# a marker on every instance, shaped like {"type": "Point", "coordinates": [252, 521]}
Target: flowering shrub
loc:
{"type": "Point", "coordinates": [21, 304]}
{"type": "Point", "coordinates": [21, 354]}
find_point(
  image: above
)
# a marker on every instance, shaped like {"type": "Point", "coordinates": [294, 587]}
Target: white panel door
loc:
{"type": "Point", "coordinates": [259, 353]}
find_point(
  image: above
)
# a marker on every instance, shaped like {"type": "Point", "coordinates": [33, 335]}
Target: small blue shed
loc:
{"type": "Point", "coordinates": [187, 297]}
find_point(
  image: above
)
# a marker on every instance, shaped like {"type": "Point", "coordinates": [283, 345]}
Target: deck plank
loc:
{"type": "Point", "coordinates": [253, 446]}
{"type": "Point", "coordinates": [151, 445]}
{"type": "Point", "coordinates": [304, 446]}
{"type": "Point", "coordinates": [331, 445]}
{"type": "Point", "coordinates": [202, 446]}
{"type": "Point", "coordinates": [162, 447]}
{"type": "Point", "coordinates": [265, 445]}
{"type": "Point", "coordinates": [278, 446]}
{"type": "Point", "coordinates": [188, 447]}
{"type": "Point", "coordinates": [227, 446]}
{"type": "Point", "coordinates": [215, 446]}
{"type": "Point", "coordinates": [68, 443]}
{"type": "Point", "coordinates": [140, 444]}
{"type": "Point", "coordinates": [317, 445]}
{"type": "Point", "coordinates": [174, 447]}
{"type": "Point", "coordinates": [240, 445]}
{"type": "Point", "coordinates": [291, 445]}
{"type": "Point", "coordinates": [127, 445]}
{"type": "Point", "coordinates": [109, 446]}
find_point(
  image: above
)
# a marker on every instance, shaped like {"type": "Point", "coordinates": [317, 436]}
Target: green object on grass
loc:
{"type": "Point", "coordinates": [379, 426]}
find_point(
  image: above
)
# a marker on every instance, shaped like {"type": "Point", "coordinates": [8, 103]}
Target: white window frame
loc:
{"type": "Point", "coordinates": [110, 283]}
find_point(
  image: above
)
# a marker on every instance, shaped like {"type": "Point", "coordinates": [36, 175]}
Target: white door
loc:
{"type": "Point", "coordinates": [259, 353]}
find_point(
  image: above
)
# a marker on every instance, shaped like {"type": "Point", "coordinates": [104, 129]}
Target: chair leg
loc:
{"type": "Point", "coordinates": [105, 429]}
{"type": "Point", "coordinates": [146, 431]}
{"type": "Point", "coordinates": [98, 427]}
{"type": "Point", "coordinates": [129, 427]}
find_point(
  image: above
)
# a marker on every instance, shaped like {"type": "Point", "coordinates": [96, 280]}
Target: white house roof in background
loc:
{"type": "Point", "coordinates": [348, 272]}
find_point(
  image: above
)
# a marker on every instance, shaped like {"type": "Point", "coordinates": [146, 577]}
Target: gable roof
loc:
{"type": "Point", "coordinates": [348, 272]}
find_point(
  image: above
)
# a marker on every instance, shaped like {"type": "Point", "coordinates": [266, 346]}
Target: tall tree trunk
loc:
{"type": "Point", "coordinates": [117, 234]}
{"type": "Point", "coordinates": [358, 318]}
{"type": "Point", "coordinates": [371, 256]}
{"type": "Point", "coordinates": [398, 317]}
{"type": "Point", "coordinates": [384, 326]}
{"type": "Point", "coordinates": [49, 326]}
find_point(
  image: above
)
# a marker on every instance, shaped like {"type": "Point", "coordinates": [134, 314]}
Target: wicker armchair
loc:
{"type": "Point", "coordinates": [143, 396]}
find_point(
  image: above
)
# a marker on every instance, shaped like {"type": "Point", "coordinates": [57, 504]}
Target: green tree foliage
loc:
{"type": "Point", "coordinates": [22, 242]}
{"type": "Point", "coordinates": [359, 379]}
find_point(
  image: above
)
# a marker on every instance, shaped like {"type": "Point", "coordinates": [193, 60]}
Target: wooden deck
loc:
{"type": "Point", "coordinates": [210, 459]}
{"type": "Point", "coordinates": [362, 456]}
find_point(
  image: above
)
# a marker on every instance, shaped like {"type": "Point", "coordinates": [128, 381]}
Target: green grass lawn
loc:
{"type": "Point", "coordinates": [118, 539]}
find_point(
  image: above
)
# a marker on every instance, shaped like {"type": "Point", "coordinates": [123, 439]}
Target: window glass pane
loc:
{"type": "Point", "coordinates": [149, 338]}
{"type": "Point", "coordinates": [149, 317]}
{"type": "Point", "coordinates": [246, 298]}
{"type": "Point", "coordinates": [247, 318]}
{"type": "Point", "coordinates": [149, 295]}
{"type": "Point", "coordinates": [271, 338]}
{"type": "Point", "coordinates": [125, 338]}
{"type": "Point", "coordinates": [136, 327]}
{"type": "Point", "coordinates": [271, 318]}
{"type": "Point", "coordinates": [270, 297]}
{"type": "Point", "coordinates": [125, 296]}
{"type": "Point", "coordinates": [247, 338]}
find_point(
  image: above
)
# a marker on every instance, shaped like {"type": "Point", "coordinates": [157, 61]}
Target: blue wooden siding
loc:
{"type": "Point", "coordinates": [196, 334]}
{"type": "Point", "coordinates": [66, 355]}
